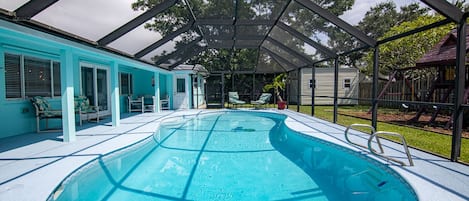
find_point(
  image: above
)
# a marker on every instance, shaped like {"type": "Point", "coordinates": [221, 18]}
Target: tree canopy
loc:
{"type": "Point", "coordinates": [381, 21]}
{"type": "Point", "coordinates": [380, 18]}
{"type": "Point", "coordinates": [404, 52]}
{"type": "Point", "coordinates": [295, 16]}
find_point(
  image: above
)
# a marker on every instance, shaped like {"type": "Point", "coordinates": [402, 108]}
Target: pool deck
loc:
{"type": "Point", "coordinates": [32, 165]}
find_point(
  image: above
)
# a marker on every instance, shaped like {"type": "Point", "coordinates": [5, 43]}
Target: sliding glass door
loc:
{"type": "Point", "coordinates": [95, 86]}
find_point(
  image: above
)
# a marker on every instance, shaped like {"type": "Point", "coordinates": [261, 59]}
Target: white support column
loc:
{"type": "Point", "coordinates": [68, 110]}
{"type": "Point", "coordinates": [189, 90]}
{"type": "Point", "coordinates": [115, 106]}
{"type": "Point", "coordinates": [170, 89]}
{"type": "Point", "coordinates": [156, 79]}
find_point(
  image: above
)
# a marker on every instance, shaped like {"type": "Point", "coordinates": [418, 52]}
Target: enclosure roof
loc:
{"type": "Point", "coordinates": [275, 36]}
{"type": "Point", "coordinates": [196, 67]}
{"type": "Point", "coordinates": [444, 52]}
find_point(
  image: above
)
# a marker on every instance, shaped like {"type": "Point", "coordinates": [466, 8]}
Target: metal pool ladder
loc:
{"type": "Point", "coordinates": [372, 132]}
{"type": "Point", "coordinates": [377, 135]}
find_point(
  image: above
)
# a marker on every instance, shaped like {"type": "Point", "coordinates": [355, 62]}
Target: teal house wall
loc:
{"type": "Point", "coordinates": [18, 115]}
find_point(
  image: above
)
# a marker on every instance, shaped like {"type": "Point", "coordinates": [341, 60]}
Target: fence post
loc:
{"type": "Point", "coordinates": [336, 87]}
{"type": "Point", "coordinates": [298, 90]}
{"type": "Point", "coordinates": [313, 85]}
{"type": "Point", "coordinates": [374, 93]}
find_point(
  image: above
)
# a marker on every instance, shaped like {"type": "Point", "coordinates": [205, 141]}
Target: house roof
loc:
{"type": "Point", "coordinates": [444, 52]}
{"type": "Point", "coordinates": [196, 68]}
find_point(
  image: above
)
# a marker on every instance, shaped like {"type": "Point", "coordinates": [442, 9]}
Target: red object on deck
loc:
{"type": "Point", "coordinates": [281, 105]}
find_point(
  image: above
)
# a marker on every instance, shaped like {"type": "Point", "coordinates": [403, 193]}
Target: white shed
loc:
{"type": "Point", "coordinates": [324, 91]}
{"type": "Point", "coordinates": [188, 86]}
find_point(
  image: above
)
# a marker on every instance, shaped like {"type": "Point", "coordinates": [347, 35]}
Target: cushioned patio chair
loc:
{"type": "Point", "coordinates": [233, 98]}
{"type": "Point", "coordinates": [84, 110]}
{"type": "Point", "coordinates": [44, 111]}
{"type": "Point", "coordinates": [263, 99]}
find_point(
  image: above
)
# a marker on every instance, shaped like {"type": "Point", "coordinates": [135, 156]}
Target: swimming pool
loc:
{"type": "Point", "coordinates": [235, 155]}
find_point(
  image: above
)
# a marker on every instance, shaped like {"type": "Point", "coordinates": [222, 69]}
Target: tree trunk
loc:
{"type": "Point", "coordinates": [279, 98]}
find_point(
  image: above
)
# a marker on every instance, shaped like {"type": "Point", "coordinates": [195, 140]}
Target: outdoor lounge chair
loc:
{"type": "Point", "coordinates": [263, 99]}
{"type": "Point", "coordinates": [44, 111]}
{"type": "Point", "coordinates": [233, 98]}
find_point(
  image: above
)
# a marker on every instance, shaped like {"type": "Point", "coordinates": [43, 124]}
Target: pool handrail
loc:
{"type": "Point", "coordinates": [373, 130]}
{"type": "Point", "coordinates": [404, 144]}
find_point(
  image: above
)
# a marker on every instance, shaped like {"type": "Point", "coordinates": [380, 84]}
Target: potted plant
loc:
{"type": "Point", "coordinates": [278, 84]}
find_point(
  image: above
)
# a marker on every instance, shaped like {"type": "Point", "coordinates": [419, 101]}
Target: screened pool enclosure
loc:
{"type": "Point", "coordinates": [245, 43]}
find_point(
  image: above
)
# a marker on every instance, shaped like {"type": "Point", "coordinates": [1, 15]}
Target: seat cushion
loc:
{"type": "Point", "coordinates": [42, 104]}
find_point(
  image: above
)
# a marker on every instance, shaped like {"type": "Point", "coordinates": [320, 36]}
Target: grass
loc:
{"type": "Point", "coordinates": [435, 143]}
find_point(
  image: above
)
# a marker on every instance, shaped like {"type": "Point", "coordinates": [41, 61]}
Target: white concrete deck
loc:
{"type": "Point", "coordinates": [32, 165]}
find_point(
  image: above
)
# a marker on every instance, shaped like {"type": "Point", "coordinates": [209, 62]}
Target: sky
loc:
{"type": "Point", "coordinates": [359, 9]}
{"type": "Point", "coordinates": [101, 9]}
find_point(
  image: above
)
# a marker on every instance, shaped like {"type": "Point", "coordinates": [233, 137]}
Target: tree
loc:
{"type": "Point", "coordinates": [380, 18]}
{"type": "Point", "coordinates": [342, 42]}
{"type": "Point", "coordinates": [278, 84]}
{"type": "Point", "coordinates": [404, 52]}
{"type": "Point", "coordinates": [296, 16]}
{"type": "Point", "coordinates": [377, 21]}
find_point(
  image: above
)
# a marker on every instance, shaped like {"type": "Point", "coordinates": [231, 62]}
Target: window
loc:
{"type": "Point", "coordinates": [56, 77]}
{"type": "Point", "coordinates": [311, 83]}
{"type": "Point", "coordinates": [12, 76]}
{"type": "Point", "coordinates": [347, 83]}
{"type": "Point", "coordinates": [181, 85]}
{"type": "Point", "coordinates": [27, 76]}
{"type": "Point", "coordinates": [126, 84]}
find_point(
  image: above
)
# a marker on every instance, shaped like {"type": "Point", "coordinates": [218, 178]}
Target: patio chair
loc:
{"type": "Point", "coordinates": [84, 110]}
{"type": "Point", "coordinates": [233, 98]}
{"type": "Point", "coordinates": [44, 111]}
{"type": "Point", "coordinates": [263, 99]}
{"type": "Point", "coordinates": [149, 103]}
{"type": "Point", "coordinates": [136, 105]}
{"type": "Point", "coordinates": [164, 103]}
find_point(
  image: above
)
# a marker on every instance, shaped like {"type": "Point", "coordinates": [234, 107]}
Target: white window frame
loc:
{"type": "Point", "coordinates": [184, 86]}
{"type": "Point", "coordinates": [96, 67]}
{"type": "Point", "coordinates": [315, 83]}
{"type": "Point", "coordinates": [22, 75]}
{"type": "Point", "coordinates": [129, 83]}
{"type": "Point", "coordinates": [343, 83]}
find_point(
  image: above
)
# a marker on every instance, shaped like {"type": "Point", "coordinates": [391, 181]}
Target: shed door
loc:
{"type": "Point", "coordinates": [180, 97]}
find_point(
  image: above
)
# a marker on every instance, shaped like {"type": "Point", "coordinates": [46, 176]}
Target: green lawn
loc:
{"type": "Point", "coordinates": [425, 140]}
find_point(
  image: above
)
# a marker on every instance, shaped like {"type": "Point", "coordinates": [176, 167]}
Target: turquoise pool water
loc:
{"type": "Point", "coordinates": [233, 156]}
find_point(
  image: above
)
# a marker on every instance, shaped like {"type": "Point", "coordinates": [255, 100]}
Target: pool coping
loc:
{"type": "Point", "coordinates": [32, 165]}
{"type": "Point", "coordinates": [447, 178]}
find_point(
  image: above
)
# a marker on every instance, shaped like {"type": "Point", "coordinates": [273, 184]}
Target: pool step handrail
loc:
{"type": "Point", "coordinates": [403, 141]}
{"type": "Point", "coordinates": [373, 130]}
